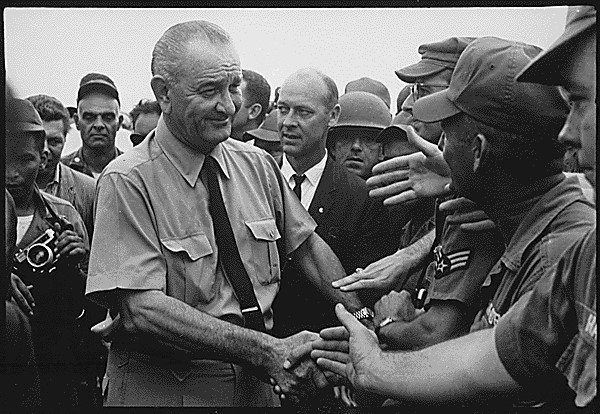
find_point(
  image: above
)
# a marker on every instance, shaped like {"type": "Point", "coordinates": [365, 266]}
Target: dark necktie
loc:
{"type": "Point", "coordinates": [298, 179]}
{"type": "Point", "coordinates": [229, 255]}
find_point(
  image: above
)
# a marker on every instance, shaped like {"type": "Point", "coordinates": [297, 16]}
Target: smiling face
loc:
{"type": "Point", "coordinates": [98, 121]}
{"type": "Point", "coordinates": [206, 96]}
{"type": "Point", "coordinates": [303, 117]}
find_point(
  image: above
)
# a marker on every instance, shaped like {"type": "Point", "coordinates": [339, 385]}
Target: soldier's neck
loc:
{"type": "Point", "coordinates": [45, 177]}
{"type": "Point", "coordinates": [97, 159]}
{"type": "Point", "coordinates": [303, 164]}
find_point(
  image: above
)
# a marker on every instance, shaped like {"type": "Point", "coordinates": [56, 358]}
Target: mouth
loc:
{"type": "Point", "coordinates": [289, 137]}
{"type": "Point", "coordinates": [221, 122]}
{"type": "Point", "coordinates": [354, 161]}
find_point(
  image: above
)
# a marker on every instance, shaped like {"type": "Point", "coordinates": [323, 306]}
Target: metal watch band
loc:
{"type": "Point", "coordinates": [364, 313]}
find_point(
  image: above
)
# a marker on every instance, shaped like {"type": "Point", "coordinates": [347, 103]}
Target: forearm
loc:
{"type": "Point", "coordinates": [443, 321]}
{"type": "Point", "coordinates": [321, 266]}
{"type": "Point", "coordinates": [413, 256]}
{"type": "Point", "coordinates": [176, 324]}
{"type": "Point", "coordinates": [450, 372]}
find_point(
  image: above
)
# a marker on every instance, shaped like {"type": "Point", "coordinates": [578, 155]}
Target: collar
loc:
{"type": "Point", "coordinates": [313, 174]}
{"type": "Point", "coordinates": [78, 161]}
{"type": "Point", "coordinates": [57, 174]}
{"type": "Point", "coordinates": [187, 160]}
{"type": "Point", "coordinates": [539, 217]}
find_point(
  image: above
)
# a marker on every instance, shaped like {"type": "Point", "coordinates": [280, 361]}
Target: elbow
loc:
{"type": "Point", "coordinates": [136, 313]}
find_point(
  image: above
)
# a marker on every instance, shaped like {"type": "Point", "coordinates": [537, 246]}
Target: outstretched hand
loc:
{"type": "Point", "coordinates": [407, 177]}
{"type": "Point", "coordinates": [351, 351]}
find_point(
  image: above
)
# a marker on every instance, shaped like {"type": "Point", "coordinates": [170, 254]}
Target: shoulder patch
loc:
{"type": "Point", "coordinates": [448, 263]}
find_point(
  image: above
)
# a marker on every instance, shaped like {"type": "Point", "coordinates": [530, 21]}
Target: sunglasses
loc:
{"type": "Point", "coordinates": [420, 90]}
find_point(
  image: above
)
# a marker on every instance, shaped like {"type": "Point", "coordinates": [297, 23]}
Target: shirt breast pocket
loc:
{"type": "Point", "coordinates": [190, 274]}
{"type": "Point", "coordinates": [264, 256]}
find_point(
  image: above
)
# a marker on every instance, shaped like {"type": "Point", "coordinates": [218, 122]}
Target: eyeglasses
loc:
{"type": "Point", "coordinates": [420, 90]}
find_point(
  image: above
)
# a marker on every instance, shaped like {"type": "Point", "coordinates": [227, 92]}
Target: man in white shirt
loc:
{"type": "Point", "coordinates": [353, 225]}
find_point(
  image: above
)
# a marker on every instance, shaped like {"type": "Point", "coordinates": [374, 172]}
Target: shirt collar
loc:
{"type": "Point", "coordinates": [313, 174]}
{"type": "Point", "coordinates": [187, 160]}
{"type": "Point", "coordinates": [57, 174]}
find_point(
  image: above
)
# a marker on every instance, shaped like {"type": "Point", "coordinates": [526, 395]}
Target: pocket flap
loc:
{"type": "Point", "coordinates": [195, 246]}
{"type": "Point", "coordinates": [264, 229]}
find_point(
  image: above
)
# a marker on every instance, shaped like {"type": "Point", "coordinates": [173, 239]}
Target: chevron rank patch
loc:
{"type": "Point", "coordinates": [448, 263]}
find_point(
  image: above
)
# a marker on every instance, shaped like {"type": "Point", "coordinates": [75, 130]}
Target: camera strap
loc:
{"type": "Point", "coordinates": [55, 217]}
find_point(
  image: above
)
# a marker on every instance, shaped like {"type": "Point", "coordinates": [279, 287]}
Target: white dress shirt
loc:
{"type": "Point", "coordinates": [309, 185]}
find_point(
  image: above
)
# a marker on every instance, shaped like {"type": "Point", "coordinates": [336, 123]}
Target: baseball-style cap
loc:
{"type": "Point", "coordinates": [26, 117]}
{"type": "Point", "coordinates": [435, 57]}
{"type": "Point", "coordinates": [267, 131]}
{"type": "Point", "coordinates": [373, 86]}
{"type": "Point", "coordinates": [543, 69]}
{"type": "Point", "coordinates": [484, 86]}
{"type": "Point", "coordinates": [97, 82]}
{"type": "Point", "coordinates": [397, 129]}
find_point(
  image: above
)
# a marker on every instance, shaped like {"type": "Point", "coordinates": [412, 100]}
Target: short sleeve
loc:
{"type": "Point", "coordinates": [125, 251]}
{"type": "Point", "coordinates": [462, 265]}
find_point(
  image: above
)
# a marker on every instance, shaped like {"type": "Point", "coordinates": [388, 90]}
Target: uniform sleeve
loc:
{"type": "Point", "coordinates": [549, 329]}
{"type": "Point", "coordinates": [464, 262]}
{"type": "Point", "coordinates": [125, 251]}
{"type": "Point", "coordinates": [293, 221]}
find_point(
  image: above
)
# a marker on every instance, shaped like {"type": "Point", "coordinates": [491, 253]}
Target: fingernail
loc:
{"type": "Point", "coordinates": [286, 364]}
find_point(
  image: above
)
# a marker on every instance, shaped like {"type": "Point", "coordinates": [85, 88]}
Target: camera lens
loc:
{"type": "Point", "coordinates": [39, 255]}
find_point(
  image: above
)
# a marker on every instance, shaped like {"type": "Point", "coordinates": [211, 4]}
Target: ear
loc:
{"type": "Point", "coordinates": [76, 121]}
{"type": "Point", "coordinates": [480, 149]}
{"type": "Point", "coordinates": [120, 122]}
{"type": "Point", "coordinates": [44, 156]}
{"type": "Point", "coordinates": [254, 111]}
{"type": "Point", "coordinates": [334, 114]}
{"type": "Point", "coordinates": [161, 92]}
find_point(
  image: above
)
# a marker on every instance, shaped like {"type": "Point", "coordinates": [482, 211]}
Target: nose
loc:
{"type": "Point", "coordinates": [356, 145]}
{"type": "Point", "coordinates": [226, 104]}
{"type": "Point", "coordinates": [408, 103]}
{"type": "Point", "coordinates": [569, 134]}
{"type": "Point", "coordinates": [289, 119]}
{"type": "Point", "coordinates": [98, 123]}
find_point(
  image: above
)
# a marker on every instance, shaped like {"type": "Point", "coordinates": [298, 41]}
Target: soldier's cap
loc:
{"type": "Point", "coordinates": [97, 82]}
{"type": "Point", "coordinates": [544, 68]}
{"type": "Point", "coordinates": [435, 57]}
{"type": "Point", "coordinates": [484, 86]}
{"type": "Point", "coordinates": [397, 129]}
{"type": "Point", "coordinates": [26, 117]}
{"type": "Point", "coordinates": [267, 131]}
{"type": "Point", "coordinates": [373, 86]}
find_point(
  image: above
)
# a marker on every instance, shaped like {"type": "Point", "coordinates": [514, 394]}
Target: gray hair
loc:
{"type": "Point", "coordinates": [174, 43]}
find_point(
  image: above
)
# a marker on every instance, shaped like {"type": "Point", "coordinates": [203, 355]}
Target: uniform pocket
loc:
{"type": "Point", "coordinates": [191, 277]}
{"type": "Point", "coordinates": [265, 256]}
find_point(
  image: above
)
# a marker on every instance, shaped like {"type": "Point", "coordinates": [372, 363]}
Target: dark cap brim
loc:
{"type": "Point", "coordinates": [97, 86]}
{"type": "Point", "coordinates": [264, 134]}
{"type": "Point", "coordinates": [434, 107]}
{"type": "Point", "coordinates": [421, 69]}
{"type": "Point", "coordinates": [543, 68]}
{"type": "Point", "coordinates": [392, 133]}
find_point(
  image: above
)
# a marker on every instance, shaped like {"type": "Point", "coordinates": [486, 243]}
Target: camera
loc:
{"type": "Point", "coordinates": [39, 256]}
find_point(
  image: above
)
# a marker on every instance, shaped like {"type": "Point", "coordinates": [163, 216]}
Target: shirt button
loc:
{"type": "Point", "coordinates": [321, 210]}
{"type": "Point", "coordinates": [76, 159]}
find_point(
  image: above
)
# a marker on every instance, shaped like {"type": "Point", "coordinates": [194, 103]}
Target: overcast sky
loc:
{"type": "Point", "coordinates": [48, 50]}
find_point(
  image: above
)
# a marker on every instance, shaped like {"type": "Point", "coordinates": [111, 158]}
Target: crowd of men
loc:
{"type": "Point", "coordinates": [314, 251]}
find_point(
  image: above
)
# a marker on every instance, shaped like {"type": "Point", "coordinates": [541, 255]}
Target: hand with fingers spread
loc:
{"type": "Point", "coordinates": [466, 212]}
{"type": "Point", "coordinates": [351, 351]}
{"type": "Point", "coordinates": [21, 294]}
{"type": "Point", "coordinates": [303, 378]}
{"type": "Point", "coordinates": [405, 178]}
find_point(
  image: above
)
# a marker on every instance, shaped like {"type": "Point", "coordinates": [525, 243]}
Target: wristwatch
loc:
{"type": "Point", "coordinates": [364, 313]}
{"type": "Point", "coordinates": [383, 323]}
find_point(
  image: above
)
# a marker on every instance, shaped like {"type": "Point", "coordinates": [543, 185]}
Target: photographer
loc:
{"type": "Point", "coordinates": [52, 247]}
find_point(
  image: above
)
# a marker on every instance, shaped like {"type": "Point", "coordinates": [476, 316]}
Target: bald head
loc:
{"type": "Point", "coordinates": [317, 81]}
